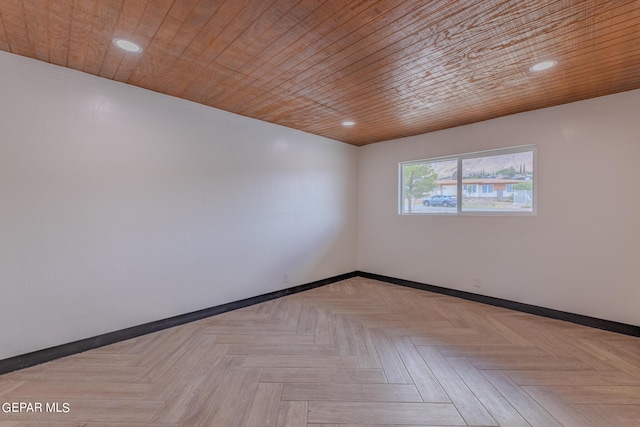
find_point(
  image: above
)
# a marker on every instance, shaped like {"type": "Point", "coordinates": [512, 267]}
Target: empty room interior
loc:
{"type": "Point", "coordinates": [319, 213]}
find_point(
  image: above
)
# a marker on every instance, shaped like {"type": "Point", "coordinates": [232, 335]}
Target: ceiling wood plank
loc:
{"type": "Point", "coordinates": [105, 19]}
{"type": "Point", "coordinates": [125, 27]}
{"type": "Point", "coordinates": [224, 43]}
{"type": "Point", "coordinates": [37, 27]}
{"type": "Point", "coordinates": [314, 46]}
{"type": "Point", "coordinates": [186, 21]}
{"type": "Point", "coordinates": [396, 67]}
{"type": "Point", "coordinates": [59, 27]}
{"type": "Point", "coordinates": [4, 38]}
{"type": "Point", "coordinates": [80, 35]}
{"type": "Point", "coordinates": [16, 28]}
{"type": "Point", "coordinates": [147, 27]}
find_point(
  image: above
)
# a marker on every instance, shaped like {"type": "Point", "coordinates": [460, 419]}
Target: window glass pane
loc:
{"type": "Point", "coordinates": [430, 187]}
{"type": "Point", "coordinates": [500, 183]}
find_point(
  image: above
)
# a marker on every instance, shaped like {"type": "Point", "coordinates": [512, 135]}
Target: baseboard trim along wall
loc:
{"type": "Point", "coordinates": [607, 325]}
{"type": "Point", "coordinates": [41, 356]}
{"type": "Point", "coordinates": [46, 355]}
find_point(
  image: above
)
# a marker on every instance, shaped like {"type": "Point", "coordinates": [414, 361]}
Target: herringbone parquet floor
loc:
{"type": "Point", "coordinates": [354, 353]}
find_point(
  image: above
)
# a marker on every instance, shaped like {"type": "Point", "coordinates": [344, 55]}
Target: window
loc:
{"type": "Point", "coordinates": [470, 188]}
{"type": "Point", "coordinates": [496, 181]}
{"type": "Point", "coordinates": [430, 186]}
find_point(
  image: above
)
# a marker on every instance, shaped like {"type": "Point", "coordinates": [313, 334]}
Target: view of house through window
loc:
{"type": "Point", "coordinates": [490, 181]}
{"type": "Point", "coordinates": [502, 182]}
{"type": "Point", "coordinates": [424, 188]}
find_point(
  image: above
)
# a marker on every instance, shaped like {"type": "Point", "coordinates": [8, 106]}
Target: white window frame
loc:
{"type": "Point", "coordinates": [459, 158]}
{"type": "Point", "coordinates": [487, 187]}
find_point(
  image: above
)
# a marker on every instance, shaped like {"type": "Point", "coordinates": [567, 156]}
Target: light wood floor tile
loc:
{"type": "Point", "coordinates": [210, 396]}
{"type": "Point", "coordinates": [324, 327]}
{"type": "Point", "coordinates": [89, 359]}
{"type": "Point", "coordinates": [499, 408]}
{"type": "Point", "coordinates": [456, 340]}
{"type": "Point", "coordinates": [427, 384]}
{"type": "Point", "coordinates": [282, 349]}
{"type": "Point", "coordinates": [577, 349]}
{"type": "Point", "coordinates": [542, 377]}
{"type": "Point", "coordinates": [391, 361]}
{"type": "Point", "coordinates": [99, 411]}
{"type": "Point", "coordinates": [599, 416]}
{"type": "Point", "coordinates": [189, 370]}
{"type": "Point", "coordinates": [383, 413]}
{"type": "Point", "coordinates": [489, 351]}
{"type": "Point", "coordinates": [528, 362]}
{"type": "Point", "coordinates": [237, 401]}
{"type": "Point", "coordinates": [292, 414]}
{"type": "Point", "coordinates": [387, 425]}
{"type": "Point", "coordinates": [79, 390]}
{"type": "Point", "coordinates": [285, 361]}
{"type": "Point", "coordinates": [8, 385]}
{"type": "Point", "coordinates": [555, 406]}
{"type": "Point", "coordinates": [465, 401]}
{"type": "Point", "coordinates": [78, 372]}
{"type": "Point", "coordinates": [79, 424]}
{"type": "Point", "coordinates": [181, 389]}
{"type": "Point", "coordinates": [623, 415]}
{"type": "Point", "coordinates": [365, 349]}
{"type": "Point", "coordinates": [539, 335]}
{"type": "Point", "coordinates": [322, 375]}
{"type": "Point", "coordinates": [610, 394]}
{"type": "Point", "coordinates": [503, 329]}
{"type": "Point", "coordinates": [630, 365]}
{"type": "Point", "coordinates": [174, 349]}
{"type": "Point", "coordinates": [263, 411]}
{"type": "Point", "coordinates": [264, 339]}
{"type": "Point", "coordinates": [351, 392]}
{"type": "Point", "coordinates": [342, 339]}
{"type": "Point", "coordinates": [307, 321]}
{"type": "Point", "coordinates": [357, 353]}
{"type": "Point", "coordinates": [535, 414]}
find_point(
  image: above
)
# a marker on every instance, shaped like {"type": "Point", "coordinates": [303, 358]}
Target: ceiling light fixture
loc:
{"type": "Point", "coordinates": [544, 65]}
{"type": "Point", "coordinates": [348, 123]}
{"type": "Point", "coordinates": [127, 45]}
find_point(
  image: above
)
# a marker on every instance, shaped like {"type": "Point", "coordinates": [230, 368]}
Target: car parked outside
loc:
{"type": "Point", "coordinates": [441, 200]}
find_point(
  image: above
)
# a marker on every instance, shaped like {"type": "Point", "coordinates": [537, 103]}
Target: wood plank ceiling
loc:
{"type": "Point", "coordinates": [394, 67]}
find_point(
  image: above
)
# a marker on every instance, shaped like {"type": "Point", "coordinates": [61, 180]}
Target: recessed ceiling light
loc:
{"type": "Point", "coordinates": [348, 123]}
{"type": "Point", "coordinates": [544, 65]}
{"type": "Point", "coordinates": [127, 45]}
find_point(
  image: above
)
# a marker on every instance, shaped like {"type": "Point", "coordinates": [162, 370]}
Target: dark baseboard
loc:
{"type": "Point", "coordinates": [607, 325]}
{"type": "Point", "coordinates": [46, 355]}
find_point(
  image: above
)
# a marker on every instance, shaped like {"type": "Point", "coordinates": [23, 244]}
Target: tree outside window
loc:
{"type": "Point", "coordinates": [419, 180]}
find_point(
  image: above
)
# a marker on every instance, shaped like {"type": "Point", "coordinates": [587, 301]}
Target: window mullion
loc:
{"type": "Point", "coordinates": [459, 189]}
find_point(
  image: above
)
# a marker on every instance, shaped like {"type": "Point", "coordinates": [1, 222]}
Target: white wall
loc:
{"type": "Point", "coordinates": [581, 253]}
{"type": "Point", "coordinates": [120, 206]}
